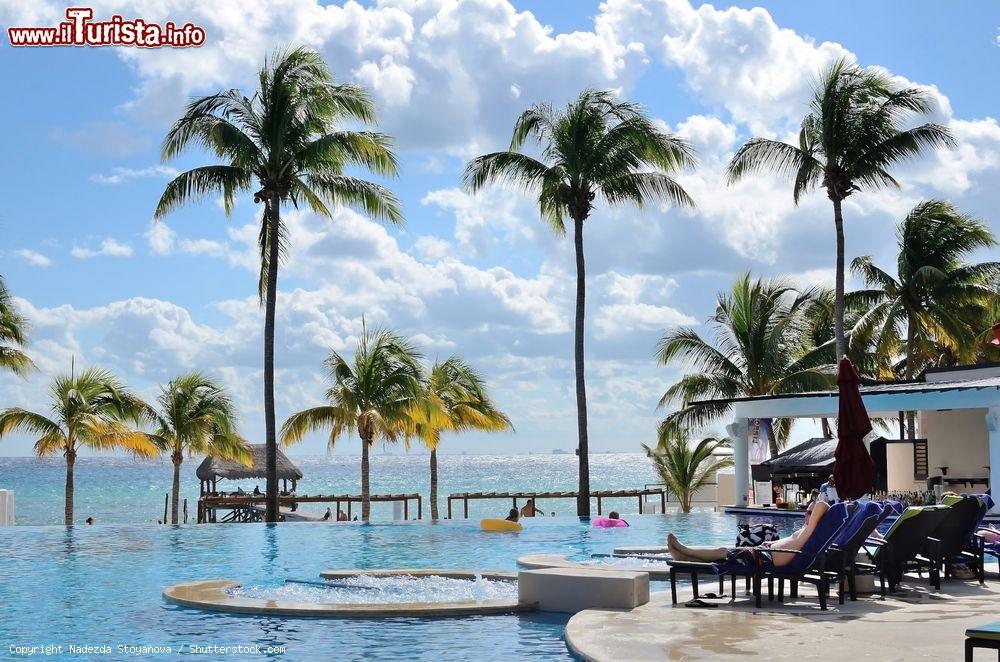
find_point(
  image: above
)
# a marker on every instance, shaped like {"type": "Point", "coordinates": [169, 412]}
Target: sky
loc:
{"type": "Point", "coordinates": [475, 275]}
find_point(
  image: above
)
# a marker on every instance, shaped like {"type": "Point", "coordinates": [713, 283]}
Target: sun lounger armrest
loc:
{"type": "Point", "coordinates": [838, 556]}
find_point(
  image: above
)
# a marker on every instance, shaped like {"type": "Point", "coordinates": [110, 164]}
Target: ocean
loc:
{"type": "Point", "coordinates": [117, 490]}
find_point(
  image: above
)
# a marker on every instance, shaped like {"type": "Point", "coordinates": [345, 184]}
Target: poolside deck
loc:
{"type": "Point", "coordinates": [917, 624]}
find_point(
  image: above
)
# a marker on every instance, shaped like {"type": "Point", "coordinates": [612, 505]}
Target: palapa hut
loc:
{"type": "Point", "coordinates": [214, 468]}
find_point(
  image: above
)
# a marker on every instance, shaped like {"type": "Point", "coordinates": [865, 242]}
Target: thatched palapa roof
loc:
{"type": "Point", "coordinates": [217, 467]}
{"type": "Point", "coordinates": [814, 457]}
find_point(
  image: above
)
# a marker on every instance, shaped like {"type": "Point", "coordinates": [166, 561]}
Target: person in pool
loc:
{"type": "Point", "coordinates": [512, 515]}
{"type": "Point", "coordinates": [794, 542]}
{"type": "Point", "coordinates": [529, 509]}
{"type": "Point", "coordinates": [614, 515]}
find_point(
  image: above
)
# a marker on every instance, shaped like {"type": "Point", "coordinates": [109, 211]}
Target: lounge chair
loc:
{"type": "Point", "coordinates": [811, 563]}
{"type": "Point", "coordinates": [844, 551]}
{"type": "Point", "coordinates": [983, 636]}
{"type": "Point", "coordinates": [955, 540]}
{"type": "Point", "coordinates": [808, 566]}
{"type": "Point", "coordinates": [904, 547]}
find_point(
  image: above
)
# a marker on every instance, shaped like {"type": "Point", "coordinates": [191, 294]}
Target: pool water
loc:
{"type": "Point", "coordinates": [365, 589]}
{"type": "Point", "coordinates": [101, 585]}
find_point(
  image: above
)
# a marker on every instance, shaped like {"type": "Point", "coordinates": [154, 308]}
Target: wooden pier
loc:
{"type": "Point", "coordinates": [600, 495]}
{"type": "Point", "coordinates": [246, 507]}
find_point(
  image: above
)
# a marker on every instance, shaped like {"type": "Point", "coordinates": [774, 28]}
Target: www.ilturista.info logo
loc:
{"type": "Point", "coordinates": [80, 30]}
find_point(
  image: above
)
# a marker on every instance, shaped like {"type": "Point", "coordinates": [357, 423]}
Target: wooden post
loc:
{"type": "Point", "coordinates": [598, 505]}
{"type": "Point", "coordinates": [449, 507]}
{"type": "Point", "coordinates": [420, 507]}
{"type": "Point", "coordinates": [185, 511]}
{"type": "Point", "coordinates": [640, 504]}
{"type": "Point", "coordinates": [406, 509]}
{"type": "Point", "coordinates": [166, 500]}
{"type": "Point", "coordinates": [465, 503]}
{"type": "Point", "coordinates": [663, 502]}
{"type": "Point", "coordinates": [348, 510]}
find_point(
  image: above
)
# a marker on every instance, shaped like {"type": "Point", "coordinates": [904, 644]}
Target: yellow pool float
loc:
{"type": "Point", "coordinates": [500, 525]}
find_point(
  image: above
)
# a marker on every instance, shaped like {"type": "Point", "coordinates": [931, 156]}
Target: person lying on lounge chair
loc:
{"type": "Point", "coordinates": [794, 542]}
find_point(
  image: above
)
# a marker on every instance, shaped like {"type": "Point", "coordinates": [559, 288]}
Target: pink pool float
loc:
{"type": "Point", "coordinates": [608, 522]}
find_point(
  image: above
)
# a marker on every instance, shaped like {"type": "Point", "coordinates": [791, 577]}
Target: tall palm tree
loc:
{"type": "Point", "coordinates": [762, 346]}
{"type": "Point", "coordinates": [373, 394]}
{"type": "Point", "coordinates": [848, 142]}
{"type": "Point", "coordinates": [685, 469]}
{"type": "Point", "coordinates": [284, 141]}
{"type": "Point", "coordinates": [90, 410]}
{"type": "Point", "coordinates": [196, 415]}
{"type": "Point", "coordinates": [596, 146]}
{"type": "Point", "coordinates": [455, 399]}
{"type": "Point", "coordinates": [925, 307]}
{"type": "Point", "coordinates": [13, 335]}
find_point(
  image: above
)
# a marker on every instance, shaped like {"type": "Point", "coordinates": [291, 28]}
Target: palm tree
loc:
{"type": "Point", "coordinates": [13, 335]}
{"type": "Point", "coordinates": [197, 416]}
{"type": "Point", "coordinates": [454, 399]}
{"type": "Point", "coordinates": [936, 300]}
{"type": "Point", "coordinates": [847, 143]}
{"type": "Point", "coordinates": [597, 146]}
{"type": "Point", "coordinates": [762, 346]}
{"type": "Point", "coordinates": [373, 394]}
{"type": "Point", "coordinates": [683, 469]}
{"type": "Point", "coordinates": [284, 140]}
{"type": "Point", "coordinates": [89, 410]}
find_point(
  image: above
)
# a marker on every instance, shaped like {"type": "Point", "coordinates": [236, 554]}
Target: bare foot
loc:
{"type": "Point", "coordinates": [672, 544]}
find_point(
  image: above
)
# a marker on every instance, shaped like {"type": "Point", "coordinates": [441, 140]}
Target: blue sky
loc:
{"type": "Point", "coordinates": [475, 275]}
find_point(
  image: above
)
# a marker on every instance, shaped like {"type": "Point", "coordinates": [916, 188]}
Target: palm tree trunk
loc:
{"type": "Point", "coordinates": [911, 419]}
{"type": "Point", "coordinates": [838, 297]}
{"type": "Point", "coordinates": [434, 484]}
{"type": "Point", "coordinates": [271, 439]}
{"type": "Point", "coordinates": [827, 431]}
{"type": "Point", "coordinates": [178, 458]}
{"type": "Point", "coordinates": [70, 461]}
{"type": "Point", "coordinates": [583, 500]}
{"type": "Point", "coordinates": [366, 505]}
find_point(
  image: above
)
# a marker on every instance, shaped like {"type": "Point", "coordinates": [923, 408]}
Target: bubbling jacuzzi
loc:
{"type": "Point", "coordinates": [361, 593]}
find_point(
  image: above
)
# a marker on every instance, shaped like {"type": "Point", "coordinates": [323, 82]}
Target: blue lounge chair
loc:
{"type": "Point", "coordinates": [845, 549]}
{"type": "Point", "coordinates": [810, 564]}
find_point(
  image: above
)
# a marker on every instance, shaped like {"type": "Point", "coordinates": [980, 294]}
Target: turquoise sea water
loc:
{"type": "Point", "coordinates": [101, 585]}
{"type": "Point", "coordinates": [126, 491]}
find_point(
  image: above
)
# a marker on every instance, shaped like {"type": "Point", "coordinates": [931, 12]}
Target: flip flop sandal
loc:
{"type": "Point", "coordinates": [698, 603]}
{"type": "Point", "coordinates": [713, 596]}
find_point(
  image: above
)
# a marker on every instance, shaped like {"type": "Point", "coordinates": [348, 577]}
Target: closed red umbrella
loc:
{"type": "Point", "coordinates": [854, 471]}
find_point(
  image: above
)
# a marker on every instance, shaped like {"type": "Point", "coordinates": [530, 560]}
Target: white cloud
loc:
{"type": "Point", "coordinates": [202, 247]}
{"type": "Point", "coordinates": [431, 248]}
{"type": "Point", "coordinates": [160, 238]}
{"type": "Point", "coordinates": [33, 257]}
{"type": "Point", "coordinates": [109, 247]}
{"type": "Point", "coordinates": [124, 175]}
{"type": "Point", "coordinates": [487, 218]}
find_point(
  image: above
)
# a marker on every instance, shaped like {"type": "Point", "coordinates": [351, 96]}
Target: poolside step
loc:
{"type": "Point", "coordinates": [575, 589]}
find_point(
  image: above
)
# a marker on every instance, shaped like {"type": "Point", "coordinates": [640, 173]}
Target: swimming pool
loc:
{"type": "Point", "coordinates": [101, 585]}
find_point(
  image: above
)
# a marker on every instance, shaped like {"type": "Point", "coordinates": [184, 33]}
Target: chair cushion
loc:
{"type": "Point", "coordinates": [691, 565]}
{"type": "Point", "coordinates": [988, 631]}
